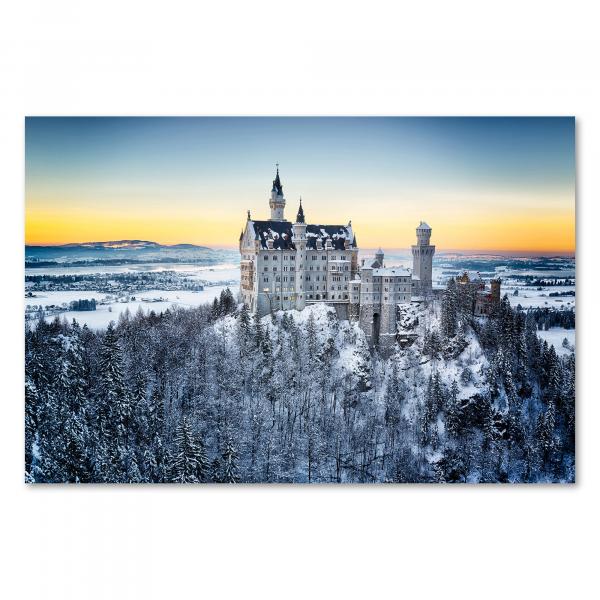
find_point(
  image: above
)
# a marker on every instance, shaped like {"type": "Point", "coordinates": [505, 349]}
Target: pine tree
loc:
{"type": "Point", "coordinates": [229, 469]}
{"type": "Point", "coordinates": [71, 439]}
{"type": "Point", "coordinates": [184, 468]}
{"type": "Point", "coordinates": [155, 451]}
{"type": "Point", "coordinates": [449, 310]}
{"type": "Point", "coordinates": [32, 411]}
{"type": "Point", "coordinates": [453, 411]}
{"type": "Point", "coordinates": [226, 302]}
{"type": "Point", "coordinates": [114, 412]}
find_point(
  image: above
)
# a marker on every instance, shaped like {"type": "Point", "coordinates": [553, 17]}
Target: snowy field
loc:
{"type": "Point", "coordinates": [215, 278]}
{"type": "Point", "coordinates": [540, 298]}
{"type": "Point", "coordinates": [223, 272]}
{"type": "Point", "coordinates": [156, 300]}
{"type": "Point", "coordinates": [555, 337]}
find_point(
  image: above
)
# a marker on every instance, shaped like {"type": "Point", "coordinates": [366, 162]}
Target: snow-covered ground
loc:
{"type": "Point", "coordinates": [223, 272]}
{"type": "Point", "coordinates": [555, 337]}
{"type": "Point", "coordinates": [105, 313]}
{"type": "Point", "coordinates": [540, 298]}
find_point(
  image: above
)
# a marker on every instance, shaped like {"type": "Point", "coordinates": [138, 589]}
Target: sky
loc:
{"type": "Point", "coordinates": [482, 184]}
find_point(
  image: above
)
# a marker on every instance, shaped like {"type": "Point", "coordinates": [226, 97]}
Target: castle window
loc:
{"type": "Point", "coordinates": [266, 268]}
{"type": "Point", "coordinates": [275, 257]}
{"type": "Point", "coordinates": [274, 269]}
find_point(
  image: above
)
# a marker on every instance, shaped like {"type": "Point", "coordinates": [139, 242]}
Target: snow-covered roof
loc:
{"type": "Point", "coordinates": [391, 272]}
{"type": "Point", "coordinates": [279, 231]}
{"type": "Point", "coordinates": [336, 233]}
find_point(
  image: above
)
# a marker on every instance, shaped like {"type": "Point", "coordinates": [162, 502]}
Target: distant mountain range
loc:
{"type": "Point", "coordinates": [123, 252]}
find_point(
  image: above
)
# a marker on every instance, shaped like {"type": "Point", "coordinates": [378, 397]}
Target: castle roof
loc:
{"type": "Point", "coordinates": [423, 225]}
{"type": "Point", "coordinates": [336, 233]}
{"type": "Point", "coordinates": [278, 231]}
{"type": "Point", "coordinates": [282, 234]}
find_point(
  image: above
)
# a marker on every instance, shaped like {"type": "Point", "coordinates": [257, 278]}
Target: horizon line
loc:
{"type": "Point", "coordinates": [439, 252]}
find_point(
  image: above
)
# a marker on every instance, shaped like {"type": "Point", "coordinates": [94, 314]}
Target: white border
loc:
{"type": "Point", "coordinates": [427, 58]}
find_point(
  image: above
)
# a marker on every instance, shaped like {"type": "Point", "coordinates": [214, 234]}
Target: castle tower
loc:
{"type": "Point", "coordinates": [422, 253]}
{"type": "Point", "coordinates": [277, 201]}
{"type": "Point", "coordinates": [300, 244]}
{"type": "Point", "coordinates": [378, 263]}
{"type": "Point", "coordinates": [495, 289]}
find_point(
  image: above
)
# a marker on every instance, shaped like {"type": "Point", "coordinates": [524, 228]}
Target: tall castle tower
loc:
{"type": "Point", "coordinates": [277, 201]}
{"type": "Point", "coordinates": [422, 253]}
{"type": "Point", "coordinates": [300, 244]}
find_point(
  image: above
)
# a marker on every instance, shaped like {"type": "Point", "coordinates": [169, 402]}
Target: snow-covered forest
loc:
{"type": "Point", "coordinates": [211, 394]}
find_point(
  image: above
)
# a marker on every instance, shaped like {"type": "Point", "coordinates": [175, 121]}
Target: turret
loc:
{"type": "Point", "coordinates": [277, 200]}
{"type": "Point", "coordinates": [423, 234]}
{"type": "Point", "coordinates": [300, 245]}
{"type": "Point", "coordinates": [378, 264]}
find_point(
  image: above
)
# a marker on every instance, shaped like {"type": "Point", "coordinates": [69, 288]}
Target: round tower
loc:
{"type": "Point", "coordinates": [422, 253]}
{"type": "Point", "coordinates": [300, 245]}
{"type": "Point", "coordinates": [423, 234]}
{"type": "Point", "coordinates": [277, 200]}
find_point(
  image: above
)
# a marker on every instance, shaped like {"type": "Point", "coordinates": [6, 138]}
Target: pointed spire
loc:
{"type": "Point", "coordinates": [277, 187]}
{"type": "Point", "coordinates": [300, 215]}
{"type": "Point", "coordinates": [249, 215]}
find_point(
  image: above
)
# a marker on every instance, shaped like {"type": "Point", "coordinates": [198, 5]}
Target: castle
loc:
{"type": "Point", "coordinates": [483, 300]}
{"type": "Point", "coordinates": [285, 265]}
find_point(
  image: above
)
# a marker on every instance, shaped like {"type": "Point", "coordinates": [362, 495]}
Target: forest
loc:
{"type": "Point", "coordinates": [214, 395]}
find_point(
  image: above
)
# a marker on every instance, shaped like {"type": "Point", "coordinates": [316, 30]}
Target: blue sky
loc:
{"type": "Point", "coordinates": [82, 169]}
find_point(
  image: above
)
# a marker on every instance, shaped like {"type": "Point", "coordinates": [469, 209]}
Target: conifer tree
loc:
{"type": "Point", "coordinates": [229, 469]}
{"type": "Point", "coordinates": [184, 468]}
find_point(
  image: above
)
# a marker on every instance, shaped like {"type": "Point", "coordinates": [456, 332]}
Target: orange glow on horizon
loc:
{"type": "Point", "coordinates": [553, 232]}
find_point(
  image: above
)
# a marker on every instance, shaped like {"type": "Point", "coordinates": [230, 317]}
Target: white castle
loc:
{"type": "Point", "coordinates": [287, 265]}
